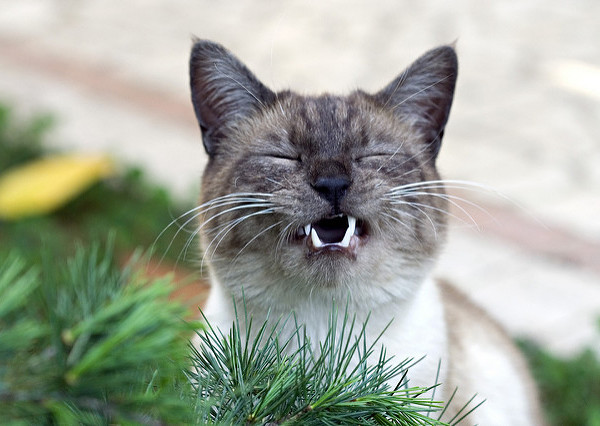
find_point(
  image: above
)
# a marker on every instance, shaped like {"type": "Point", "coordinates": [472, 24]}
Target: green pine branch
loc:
{"type": "Point", "coordinates": [87, 341]}
{"type": "Point", "coordinates": [264, 382]}
{"type": "Point", "coordinates": [83, 342]}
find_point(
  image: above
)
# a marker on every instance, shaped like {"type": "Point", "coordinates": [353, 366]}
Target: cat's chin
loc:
{"type": "Point", "coordinates": [334, 235]}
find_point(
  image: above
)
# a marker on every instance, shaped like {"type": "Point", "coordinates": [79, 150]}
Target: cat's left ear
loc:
{"type": "Point", "coordinates": [423, 94]}
{"type": "Point", "coordinates": [224, 91]}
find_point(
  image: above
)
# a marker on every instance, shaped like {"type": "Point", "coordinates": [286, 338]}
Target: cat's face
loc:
{"type": "Point", "coordinates": [320, 192]}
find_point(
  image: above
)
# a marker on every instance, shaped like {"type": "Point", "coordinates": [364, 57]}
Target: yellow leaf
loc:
{"type": "Point", "coordinates": [44, 185]}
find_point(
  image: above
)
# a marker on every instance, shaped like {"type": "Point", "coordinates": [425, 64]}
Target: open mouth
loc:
{"type": "Point", "coordinates": [339, 233]}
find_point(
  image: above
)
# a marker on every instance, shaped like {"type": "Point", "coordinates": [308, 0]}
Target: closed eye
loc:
{"type": "Point", "coordinates": [286, 157]}
{"type": "Point", "coordinates": [375, 156]}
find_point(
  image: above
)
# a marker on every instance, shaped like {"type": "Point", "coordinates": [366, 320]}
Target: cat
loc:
{"type": "Point", "coordinates": [309, 199]}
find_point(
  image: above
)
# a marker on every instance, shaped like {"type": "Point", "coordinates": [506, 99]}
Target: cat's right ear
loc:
{"type": "Point", "coordinates": [223, 91]}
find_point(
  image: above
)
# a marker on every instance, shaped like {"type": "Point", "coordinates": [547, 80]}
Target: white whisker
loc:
{"type": "Point", "coordinates": [450, 198]}
{"type": "Point", "coordinates": [254, 238]}
{"type": "Point", "coordinates": [285, 234]}
{"type": "Point", "coordinates": [421, 91]}
{"type": "Point", "coordinates": [448, 183]}
{"type": "Point", "coordinates": [397, 220]}
{"type": "Point", "coordinates": [417, 206]}
{"type": "Point", "coordinates": [228, 199]}
{"type": "Point", "coordinates": [229, 226]}
{"type": "Point", "coordinates": [391, 156]}
{"type": "Point", "coordinates": [396, 200]}
{"type": "Point", "coordinates": [240, 84]}
{"type": "Point", "coordinates": [229, 210]}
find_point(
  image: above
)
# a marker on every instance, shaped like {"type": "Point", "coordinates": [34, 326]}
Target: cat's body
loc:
{"type": "Point", "coordinates": [309, 200]}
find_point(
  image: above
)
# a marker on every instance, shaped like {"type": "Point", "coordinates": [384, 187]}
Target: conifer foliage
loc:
{"type": "Point", "coordinates": [335, 382]}
{"type": "Point", "coordinates": [90, 343]}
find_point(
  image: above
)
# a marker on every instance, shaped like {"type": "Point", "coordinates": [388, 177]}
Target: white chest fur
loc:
{"type": "Point", "coordinates": [416, 325]}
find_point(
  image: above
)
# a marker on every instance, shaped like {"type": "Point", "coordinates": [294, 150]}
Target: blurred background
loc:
{"type": "Point", "coordinates": [525, 122]}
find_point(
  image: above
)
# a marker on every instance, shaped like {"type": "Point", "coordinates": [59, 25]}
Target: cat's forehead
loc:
{"type": "Point", "coordinates": [336, 121]}
{"type": "Point", "coordinates": [331, 119]}
{"type": "Point", "coordinates": [331, 108]}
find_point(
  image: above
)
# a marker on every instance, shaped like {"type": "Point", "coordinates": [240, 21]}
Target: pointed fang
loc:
{"type": "Point", "coordinates": [307, 229]}
{"type": "Point", "coordinates": [349, 232]}
{"type": "Point", "coordinates": [316, 241]}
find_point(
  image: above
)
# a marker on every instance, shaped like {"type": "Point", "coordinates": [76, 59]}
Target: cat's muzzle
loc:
{"type": "Point", "coordinates": [340, 233]}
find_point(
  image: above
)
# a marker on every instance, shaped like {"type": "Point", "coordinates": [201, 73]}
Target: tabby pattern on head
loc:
{"type": "Point", "coordinates": [331, 195]}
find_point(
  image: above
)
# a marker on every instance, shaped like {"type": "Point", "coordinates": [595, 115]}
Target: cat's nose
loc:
{"type": "Point", "coordinates": [332, 189]}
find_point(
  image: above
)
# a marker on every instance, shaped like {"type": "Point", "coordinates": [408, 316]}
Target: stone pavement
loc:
{"type": "Point", "coordinates": [525, 121]}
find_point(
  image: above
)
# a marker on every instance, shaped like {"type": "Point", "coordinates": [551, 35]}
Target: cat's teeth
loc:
{"type": "Point", "coordinates": [307, 229]}
{"type": "Point", "coordinates": [316, 241]}
{"type": "Point", "coordinates": [349, 232]}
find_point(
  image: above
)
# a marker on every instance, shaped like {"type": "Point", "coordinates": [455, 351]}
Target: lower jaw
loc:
{"type": "Point", "coordinates": [331, 252]}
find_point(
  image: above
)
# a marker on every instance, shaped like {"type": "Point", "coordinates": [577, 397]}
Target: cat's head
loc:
{"type": "Point", "coordinates": [321, 192]}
